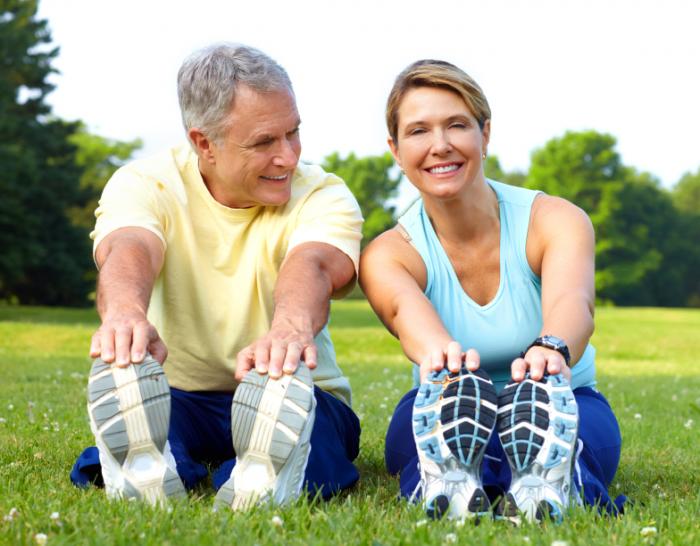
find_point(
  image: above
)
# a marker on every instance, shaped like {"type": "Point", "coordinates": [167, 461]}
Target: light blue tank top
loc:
{"type": "Point", "coordinates": [506, 325]}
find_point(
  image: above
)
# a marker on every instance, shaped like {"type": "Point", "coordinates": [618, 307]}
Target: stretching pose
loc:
{"type": "Point", "coordinates": [490, 290]}
{"type": "Point", "coordinates": [222, 254]}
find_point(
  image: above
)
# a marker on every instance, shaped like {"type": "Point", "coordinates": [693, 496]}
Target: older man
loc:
{"type": "Point", "coordinates": [223, 256]}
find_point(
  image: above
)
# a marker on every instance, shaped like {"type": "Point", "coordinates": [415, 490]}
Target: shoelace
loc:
{"type": "Point", "coordinates": [419, 486]}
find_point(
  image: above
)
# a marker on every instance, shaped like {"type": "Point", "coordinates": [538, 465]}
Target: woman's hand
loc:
{"type": "Point", "coordinates": [537, 360]}
{"type": "Point", "coordinates": [451, 356]}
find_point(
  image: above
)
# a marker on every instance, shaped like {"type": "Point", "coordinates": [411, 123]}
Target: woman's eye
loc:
{"type": "Point", "coordinates": [416, 131]}
{"type": "Point", "coordinates": [458, 125]}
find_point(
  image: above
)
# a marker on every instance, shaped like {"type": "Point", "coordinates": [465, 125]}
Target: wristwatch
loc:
{"type": "Point", "coordinates": [552, 342]}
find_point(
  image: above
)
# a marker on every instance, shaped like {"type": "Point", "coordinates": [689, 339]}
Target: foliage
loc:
{"type": "Point", "coordinates": [44, 261]}
{"type": "Point", "coordinates": [647, 370]}
{"type": "Point", "coordinates": [686, 194]}
{"type": "Point", "coordinates": [642, 255]}
{"type": "Point", "coordinates": [50, 171]}
{"type": "Point", "coordinates": [373, 181]}
{"type": "Point", "coordinates": [494, 171]}
{"type": "Point", "coordinates": [98, 157]}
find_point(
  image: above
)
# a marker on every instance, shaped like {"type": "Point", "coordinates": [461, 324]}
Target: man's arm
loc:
{"type": "Point", "coordinates": [129, 260]}
{"type": "Point", "coordinates": [309, 276]}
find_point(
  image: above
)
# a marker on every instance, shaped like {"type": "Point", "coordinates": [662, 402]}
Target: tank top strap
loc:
{"type": "Point", "coordinates": [515, 205]}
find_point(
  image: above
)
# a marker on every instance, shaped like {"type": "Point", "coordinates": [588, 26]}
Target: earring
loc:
{"type": "Point", "coordinates": [483, 155]}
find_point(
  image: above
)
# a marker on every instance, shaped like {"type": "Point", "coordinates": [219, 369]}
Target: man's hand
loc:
{"type": "Point", "coordinates": [279, 351]}
{"type": "Point", "coordinates": [125, 339]}
{"type": "Point", "coordinates": [538, 360]}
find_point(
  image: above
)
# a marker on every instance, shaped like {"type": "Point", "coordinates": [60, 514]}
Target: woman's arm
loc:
{"type": "Point", "coordinates": [561, 250]}
{"type": "Point", "coordinates": [393, 276]}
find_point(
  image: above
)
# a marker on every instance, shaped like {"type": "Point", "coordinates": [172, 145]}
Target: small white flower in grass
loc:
{"type": "Point", "coordinates": [460, 522]}
{"type": "Point", "coordinates": [382, 406]}
{"type": "Point", "coordinates": [3, 420]}
{"type": "Point", "coordinates": [560, 543]}
{"type": "Point", "coordinates": [450, 538]}
{"type": "Point", "coordinates": [637, 416]}
{"type": "Point", "coordinates": [13, 513]}
{"type": "Point", "coordinates": [40, 538]}
{"type": "Point", "coordinates": [55, 518]}
{"type": "Point", "coordinates": [421, 523]}
{"type": "Point", "coordinates": [689, 424]}
{"type": "Point", "coordinates": [674, 398]}
{"type": "Point", "coordinates": [648, 532]}
{"type": "Point", "coordinates": [526, 539]}
{"type": "Point", "coordinates": [10, 406]}
{"type": "Point", "coordinates": [277, 521]}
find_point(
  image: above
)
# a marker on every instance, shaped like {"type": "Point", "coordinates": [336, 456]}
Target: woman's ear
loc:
{"type": "Point", "coordinates": [394, 151]}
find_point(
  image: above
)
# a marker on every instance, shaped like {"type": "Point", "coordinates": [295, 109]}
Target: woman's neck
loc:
{"type": "Point", "coordinates": [466, 217]}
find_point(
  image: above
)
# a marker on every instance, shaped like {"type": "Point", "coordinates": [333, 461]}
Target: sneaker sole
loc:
{"type": "Point", "coordinates": [271, 422]}
{"type": "Point", "coordinates": [130, 411]}
{"type": "Point", "coordinates": [538, 428]}
{"type": "Point", "coordinates": [454, 415]}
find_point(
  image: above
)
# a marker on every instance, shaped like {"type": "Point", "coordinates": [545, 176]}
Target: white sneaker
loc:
{"type": "Point", "coordinates": [271, 422]}
{"type": "Point", "coordinates": [538, 428]}
{"type": "Point", "coordinates": [129, 412]}
{"type": "Point", "coordinates": [454, 415]}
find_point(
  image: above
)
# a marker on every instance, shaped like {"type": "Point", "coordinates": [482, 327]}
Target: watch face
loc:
{"type": "Point", "coordinates": [554, 341]}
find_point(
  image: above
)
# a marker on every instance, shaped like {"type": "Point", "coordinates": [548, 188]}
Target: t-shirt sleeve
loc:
{"type": "Point", "coordinates": [129, 200]}
{"type": "Point", "coordinates": [330, 215]}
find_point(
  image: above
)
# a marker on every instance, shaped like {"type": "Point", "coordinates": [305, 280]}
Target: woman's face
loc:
{"type": "Point", "coordinates": [439, 144]}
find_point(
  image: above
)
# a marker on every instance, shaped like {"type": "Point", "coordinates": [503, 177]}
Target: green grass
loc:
{"type": "Point", "coordinates": [647, 367]}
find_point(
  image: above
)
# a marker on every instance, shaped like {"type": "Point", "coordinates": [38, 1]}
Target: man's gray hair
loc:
{"type": "Point", "coordinates": [207, 82]}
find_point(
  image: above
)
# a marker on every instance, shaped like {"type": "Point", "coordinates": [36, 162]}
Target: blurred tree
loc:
{"type": "Point", "coordinates": [637, 243]}
{"type": "Point", "coordinates": [373, 183]}
{"type": "Point", "coordinates": [686, 198]}
{"type": "Point", "coordinates": [494, 171]}
{"type": "Point", "coordinates": [686, 193]}
{"type": "Point", "coordinates": [45, 256]}
{"type": "Point", "coordinates": [98, 158]}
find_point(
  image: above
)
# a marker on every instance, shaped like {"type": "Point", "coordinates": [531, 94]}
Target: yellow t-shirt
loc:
{"type": "Point", "coordinates": [214, 295]}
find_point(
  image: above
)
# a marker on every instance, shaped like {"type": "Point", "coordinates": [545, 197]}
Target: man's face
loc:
{"type": "Point", "coordinates": [254, 162]}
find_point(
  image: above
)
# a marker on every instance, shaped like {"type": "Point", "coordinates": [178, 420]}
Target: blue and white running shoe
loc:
{"type": "Point", "coordinates": [538, 428]}
{"type": "Point", "coordinates": [454, 415]}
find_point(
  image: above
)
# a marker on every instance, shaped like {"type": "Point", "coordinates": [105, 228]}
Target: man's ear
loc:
{"type": "Point", "coordinates": [203, 145]}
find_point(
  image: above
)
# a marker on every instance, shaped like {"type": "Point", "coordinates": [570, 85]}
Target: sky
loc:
{"type": "Point", "coordinates": [629, 68]}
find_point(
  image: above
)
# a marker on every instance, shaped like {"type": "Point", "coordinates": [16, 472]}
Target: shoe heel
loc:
{"type": "Point", "coordinates": [130, 411]}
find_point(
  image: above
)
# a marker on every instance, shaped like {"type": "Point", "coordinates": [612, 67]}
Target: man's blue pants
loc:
{"type": "Point", "coordinates": [200, 438]}
{"type": "Point", "coordinates": [598, 460]}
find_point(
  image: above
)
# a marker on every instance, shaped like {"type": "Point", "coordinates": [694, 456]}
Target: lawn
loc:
{"type": "Point", "coordinates": [647, 367]}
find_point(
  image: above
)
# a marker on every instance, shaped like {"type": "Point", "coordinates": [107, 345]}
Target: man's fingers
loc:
{"type": "Point", "coordinates": [454, 356]}
{"type": "Point", "coordinates": [291, 360]}
{"type": "Point", "coordinates": [261, 357]}
{"type": "Point", "coordinates": [278, 352]}
{"type": "Point", "coordinates": [517, 369]}
{"type": "Point", "coordinates": [95, 345]}
{"type": "Point", "coordinates": [473, 360]}
{"type": "Point", "coordinates": [122, 349]}
{"type": "Point", "coordinates": [106, 344]}
{"type": "Point", "coordinates": [310, 356]}
{"type": "Point", "coordinates": [139, 341]}
{"type": "Point", "coordinates": [244, 363]}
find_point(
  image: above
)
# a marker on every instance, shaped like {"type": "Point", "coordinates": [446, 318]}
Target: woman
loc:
{"type": "Point", "coordinates": [507, 273]}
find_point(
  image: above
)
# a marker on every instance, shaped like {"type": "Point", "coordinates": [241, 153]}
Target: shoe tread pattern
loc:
{"type": "Point", "coordinates": [246, 408]}
{"type": "Point", "coordinates": [521, 423]}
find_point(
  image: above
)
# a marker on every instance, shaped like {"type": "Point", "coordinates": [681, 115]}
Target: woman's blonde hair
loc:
{"type": "Point", "coordinates": [441, 74]}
